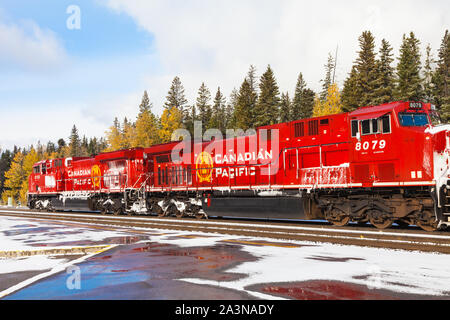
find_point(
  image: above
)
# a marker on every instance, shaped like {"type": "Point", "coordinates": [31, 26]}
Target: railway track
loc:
{"type": "Point", "coordinates": [405, 239]}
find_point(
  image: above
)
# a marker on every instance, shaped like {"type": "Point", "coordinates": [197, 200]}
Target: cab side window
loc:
{"type": "Point", "coordinates": [376, 126]}
{"type": "Point", "coordinates": [365, 127]}
{"type": "Point", "coordinates": [355, 128]}
{"type": "Point", "coordinates": [386, 122]}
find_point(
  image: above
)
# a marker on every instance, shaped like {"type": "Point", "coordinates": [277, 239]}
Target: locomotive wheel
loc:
{"type": "Point", "coordinates": [199, 216]}
{"type": "Point", "coordinates": [338, 218]}
{"type": "Point", "coordinates": [379, 220]}
{"type": "Point", "coordinates": [427, 221]}
{"type": "Point", "coordinates": [180, 214]}
{"type": "Point", "coordinates": [341, 221]}
{"type": "Point", "coordinates": [160, 212]}
{"type": "Point", "coordinates": [117, 211]}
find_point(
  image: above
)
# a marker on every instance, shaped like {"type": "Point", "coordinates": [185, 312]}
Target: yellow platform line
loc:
{"type": "Point", "coordinates": [54, 251]}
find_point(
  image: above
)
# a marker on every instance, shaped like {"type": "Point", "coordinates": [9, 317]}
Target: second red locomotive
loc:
{"type": "Point", "coordinates": [379, 164]}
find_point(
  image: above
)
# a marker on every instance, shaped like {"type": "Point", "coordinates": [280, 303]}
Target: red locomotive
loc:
{"type": "Point", "coordinates": [380, 164]}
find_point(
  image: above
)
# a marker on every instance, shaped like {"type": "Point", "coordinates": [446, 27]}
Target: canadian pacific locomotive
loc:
{"type": "Point", "coordinates": [380, 164]}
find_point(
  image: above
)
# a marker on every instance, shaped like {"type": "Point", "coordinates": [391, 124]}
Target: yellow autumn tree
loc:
{"type": "Point", "coordinates": [128, 134]}
{"type": "Point", "coordinates": [114, 137]}
{"type": "Point", "coordinates": [332, 104]}
{"type": "Point", "coordinates": [171, 119]}
{"type": "Point", "coordinates": [146, 132]}
{"type": "Point", "coordinates": [14, 178]}
{"type": "Point", "coordinates": [29, 160]}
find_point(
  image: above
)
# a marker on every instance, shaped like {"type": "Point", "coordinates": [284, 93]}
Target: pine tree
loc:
{"type": "Point", "coordinates": [409, 81]}
{"type": "Point", "coordinates": [251, 78]}
{"type": "Point", "coordinates": [190, 120]}
{"type": "Point", "coordinates": [51, 147]}
{"type": "Point", "coordinates": [145, 103]}
{"type": "Point", "coordinates": [84, 147]}
{"type": "Point", "coordinates": [266, 111]}
{"type": "Point", "coordinates": [441, 78]}
{"type": "Point", "coordinates": [351, 93]}
{"type": "Point", "coordinates": [329, 69]}
{"type": "Point", "coordinates": [61, 146]}
{"type": "Point", "coordinates": [428, 89]}
{"type": "Point", "coordinates": [242, 115]}
{"type": "Point", "coordinates": [93, 148]}
{"type": "Point", "coordinates": [75, 143]}
{"type": "Point", "coordinates": [175, 97]}
{"type": "Point", "coordinates": [303, 102]}
{"type": "Point", "coordinates": [253, 98]}
{"type": "Point", "coordinates": [285, 108]}
{"type": "Point", "coordinates": [218, 118]}
{"type": "Point", "coordinates": [145, 131]}
{"type": "Point", "coordinates": [230, 121]}
{"type": "Point", "coordinates": [367, 69]}
{"type": "Point", "coordinates": [385, 81]}
{"type": "Point", "coordinates": [203, 106]}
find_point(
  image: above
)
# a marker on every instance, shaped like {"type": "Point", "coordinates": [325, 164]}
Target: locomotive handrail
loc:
{"type": "Point", "coordinates": [97, 177]}
{"type": "Point", "coordinates": [170, 184]}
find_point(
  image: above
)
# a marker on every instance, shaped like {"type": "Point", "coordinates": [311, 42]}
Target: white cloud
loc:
{"type": "Point", "coordinates": [201, 41]}
{"type": "Point", "coordinates": [28, 47]}
{"type": "Point", "coordinates": [216, 41]}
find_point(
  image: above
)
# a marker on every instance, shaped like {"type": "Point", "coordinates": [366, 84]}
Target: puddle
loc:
{"type": "Point", "coordinates": [331, 290]}
{"type": "Point", "coordinates": [149, 271]}
{"type": "Point", "coordinates": [333, 259]}
{"type": "Point", "coordinates": [32, 230]}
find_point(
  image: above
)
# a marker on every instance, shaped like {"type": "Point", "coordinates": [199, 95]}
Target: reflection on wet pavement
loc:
{"type": "Point", "coordinates": [331, 290]}
{"type": "Point", "coordinates": [149, 264]}
{"type": "Point", "coordinates": [334, 259]}
{"type": "Point", "coordinates": [147, 271]}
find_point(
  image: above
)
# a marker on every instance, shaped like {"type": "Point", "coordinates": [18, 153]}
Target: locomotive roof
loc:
{"type": "Point", "coordinates": [120, 154]}
{"type": "Point", "coordinates": [377, 111]}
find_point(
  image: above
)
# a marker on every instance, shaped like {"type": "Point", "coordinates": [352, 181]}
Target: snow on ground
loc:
{"type": "Point", "coordinates": [396, 270]}
{"type": "Point", "coordinates": [17, 234]}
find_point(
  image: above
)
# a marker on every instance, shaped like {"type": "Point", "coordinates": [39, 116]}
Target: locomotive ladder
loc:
{"type": "Point", "coordinates": [446, 207]}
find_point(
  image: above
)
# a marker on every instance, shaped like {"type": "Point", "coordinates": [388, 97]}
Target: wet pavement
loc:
{"type": "Point", "coordinates": [174, 265]}
{"type": "Point", "coordinates": [145, 271]}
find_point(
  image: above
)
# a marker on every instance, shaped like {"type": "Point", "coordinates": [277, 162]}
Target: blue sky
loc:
{"type": "Point", "coordinates": [105, 37]}
{"type": "Point", "coordinates": [103, 32]}
{"type": "Point", "coordinates": [52, 78]}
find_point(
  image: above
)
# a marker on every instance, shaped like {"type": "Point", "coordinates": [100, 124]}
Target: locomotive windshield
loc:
{"type": "Point", "coordinates": [413, 119]}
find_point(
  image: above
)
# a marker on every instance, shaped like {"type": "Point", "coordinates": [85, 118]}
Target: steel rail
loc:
{"type": "Point", "coordinates": [410, 240]}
